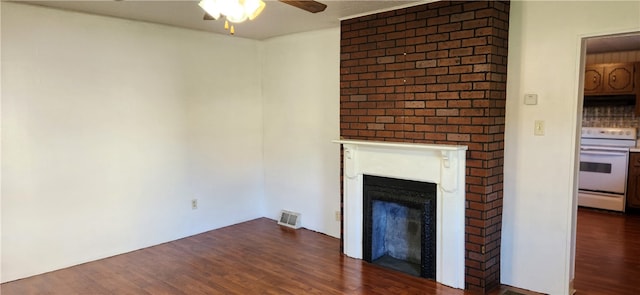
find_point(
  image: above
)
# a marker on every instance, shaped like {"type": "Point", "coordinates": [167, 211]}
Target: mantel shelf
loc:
{"type": "Point", "coordinates": [403, 145]}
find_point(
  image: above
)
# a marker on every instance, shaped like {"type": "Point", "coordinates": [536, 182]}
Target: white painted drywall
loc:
{"type": "Point", "coordinates": [539, 183]}
{"type": "Point", "coordinates": [111, 127]}
{"type": "Point", "coordinates": [301, 116]}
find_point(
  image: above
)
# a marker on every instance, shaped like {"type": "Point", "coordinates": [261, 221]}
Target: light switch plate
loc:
{"type": "Point", "coordinates": [538, 128]}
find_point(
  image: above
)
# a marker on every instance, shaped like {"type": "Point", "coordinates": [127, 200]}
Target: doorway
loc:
{"type": "Point", "coordinates": [605, 239]}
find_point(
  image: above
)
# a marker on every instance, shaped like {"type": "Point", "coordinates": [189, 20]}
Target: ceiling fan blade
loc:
{"type": "Point", "coordinates": [208, 17]}
{"type": "Point", "coordinates": [308, 5]}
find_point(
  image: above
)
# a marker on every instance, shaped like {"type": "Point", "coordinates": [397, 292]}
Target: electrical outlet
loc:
{"type": "Point", "coordinates": [194, 204]}
{"type": "Point", "coordinates": [338, 216]}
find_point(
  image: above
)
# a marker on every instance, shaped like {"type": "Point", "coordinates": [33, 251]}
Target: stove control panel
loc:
{"type": "Point", "coordinates": [609, 133]}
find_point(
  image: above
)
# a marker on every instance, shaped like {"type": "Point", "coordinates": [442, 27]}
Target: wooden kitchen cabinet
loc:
{"type": "Point", "coordinates": [593, 79]}
{"type": "Point", "coordinates": [610, 79]}
{"type": "Point", "coordinates": [619, 78]}
{"type": "Point", "coordinates": [633, 181]}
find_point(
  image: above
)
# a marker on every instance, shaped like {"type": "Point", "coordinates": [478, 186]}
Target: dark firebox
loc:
{"type": "Point", "coordinates": [399, 225]}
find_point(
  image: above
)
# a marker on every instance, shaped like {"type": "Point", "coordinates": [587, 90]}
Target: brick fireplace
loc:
{"type": "Point", "coordinates": [436, 74]}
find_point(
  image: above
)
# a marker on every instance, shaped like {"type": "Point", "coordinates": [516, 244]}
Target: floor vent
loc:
{"type": "Point", "coordinates": [290, 219]}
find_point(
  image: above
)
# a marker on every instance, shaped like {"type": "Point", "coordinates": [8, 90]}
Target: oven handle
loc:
{"type": "Point", "coordinates": [602, 153]}
{"type": "Point", "coordinates": [605, 149]}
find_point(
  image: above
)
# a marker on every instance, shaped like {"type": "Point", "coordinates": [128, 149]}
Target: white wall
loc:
{"type": "Point", "coordinates": [301, 109]}
{"type": "Point", "coordinates": [111, 127]}
{"type": "Point", "coordinates": [539, 171]}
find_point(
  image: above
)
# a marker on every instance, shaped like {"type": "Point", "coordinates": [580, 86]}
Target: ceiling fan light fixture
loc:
{"type": "Point", "coordinates": [235, 11]}
{"type": "Point", "coordinates": [253, 8]}
{"type": "Point", "coordinates": [211, 8]}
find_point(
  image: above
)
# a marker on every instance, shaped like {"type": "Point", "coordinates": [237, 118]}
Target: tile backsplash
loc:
{"type": "Point", "coordinates": [610, 116]}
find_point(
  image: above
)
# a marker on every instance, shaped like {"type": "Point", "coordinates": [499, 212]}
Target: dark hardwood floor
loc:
{"type": "Point", "coordinates": [607, 253]}
{"type": "Point", "coordinates": [255, 257]}
{"type": "Point", "coordinates": [259, 257]}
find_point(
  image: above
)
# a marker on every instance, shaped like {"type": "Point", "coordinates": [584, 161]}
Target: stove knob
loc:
{"type": "Point", "coordinates": [628, 132]}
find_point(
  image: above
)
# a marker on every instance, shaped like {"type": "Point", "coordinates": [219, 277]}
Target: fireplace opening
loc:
{"type": "Point", "coordinates": [399, 230]}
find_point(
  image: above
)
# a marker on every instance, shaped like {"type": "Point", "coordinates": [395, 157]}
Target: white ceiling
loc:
{"type": "Point", "coordinates": [277, 18]}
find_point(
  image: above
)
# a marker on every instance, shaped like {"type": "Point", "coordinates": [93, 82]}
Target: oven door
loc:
{"type": "Point", "coordinates": [603, 169]}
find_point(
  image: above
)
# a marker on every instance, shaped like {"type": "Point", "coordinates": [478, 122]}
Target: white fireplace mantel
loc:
{"type": "Point", "coordinates": [443, 165]}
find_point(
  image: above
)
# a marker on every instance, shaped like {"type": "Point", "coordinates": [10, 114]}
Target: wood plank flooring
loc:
{"type": "Point", "coordinates": [255, 257]}
{"type": "Point", "coordinates": [607, 253]}
{"type": "Point", "coordinates": [259, 257]}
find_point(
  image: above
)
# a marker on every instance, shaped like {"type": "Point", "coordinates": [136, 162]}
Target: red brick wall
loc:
{"type": "Point", "coordinates": [436, 73]}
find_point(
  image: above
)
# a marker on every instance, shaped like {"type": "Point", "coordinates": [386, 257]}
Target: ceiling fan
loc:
{"type": "Point", "coordinates": [308, 5]}
{"type": "Point", "coordinates": [237, 11]}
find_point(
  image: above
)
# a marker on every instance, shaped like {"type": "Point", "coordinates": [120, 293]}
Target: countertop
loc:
{"type": "Point", "coordinates": [637, 148]}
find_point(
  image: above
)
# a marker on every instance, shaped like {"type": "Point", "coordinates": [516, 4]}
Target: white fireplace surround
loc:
{"type": "Point", "coordinates": [443, 165]}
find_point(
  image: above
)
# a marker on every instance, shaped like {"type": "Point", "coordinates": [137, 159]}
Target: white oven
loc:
{"type": "Point", "coordinates": [603, 169]}
{"type": "Point", "coordinates": [604, 158]}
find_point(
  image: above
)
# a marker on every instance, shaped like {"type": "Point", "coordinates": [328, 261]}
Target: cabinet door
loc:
{"type": "Point", "coordinates": [633, 183]}
{"type": "Point", "coordinates": [618, 78]}
{"type": "Point", "coordinates": [593, 76]}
